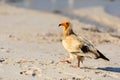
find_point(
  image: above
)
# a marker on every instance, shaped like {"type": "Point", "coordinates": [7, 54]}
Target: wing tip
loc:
{"type": "Point", "coordinates": [102, 56]}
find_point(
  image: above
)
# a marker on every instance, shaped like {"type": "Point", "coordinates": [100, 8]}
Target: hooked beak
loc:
{"type": "Point", "coordinates": [59, 25]}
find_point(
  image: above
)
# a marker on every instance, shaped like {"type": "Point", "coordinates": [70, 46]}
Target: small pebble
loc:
{"type": "Point", "coordinates": [21, 72]}
{"type": "Point", "coordinates": [2, 60]}
{"type": "Point", "coordinates": [34, 74]}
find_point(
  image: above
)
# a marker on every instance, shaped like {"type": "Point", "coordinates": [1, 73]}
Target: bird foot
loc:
{"type": "Point", "coordinates": [65, 60]}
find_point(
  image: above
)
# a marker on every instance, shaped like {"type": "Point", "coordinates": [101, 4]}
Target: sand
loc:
{"type": "Point", "coordinates": [30, 48]}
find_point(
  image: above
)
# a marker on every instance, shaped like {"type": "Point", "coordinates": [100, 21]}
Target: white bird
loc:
{"type": "Point", "coordinates": [78, 47]}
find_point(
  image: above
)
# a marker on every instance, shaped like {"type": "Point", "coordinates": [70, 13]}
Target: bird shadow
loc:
{"type": "Point", "coordinates": [112, 69]}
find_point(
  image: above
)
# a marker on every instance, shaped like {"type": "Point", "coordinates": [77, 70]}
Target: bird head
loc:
{"type": "Point", "coordinates": [65, 24]}
{"type": "Point", "coordinates": [67, 28]}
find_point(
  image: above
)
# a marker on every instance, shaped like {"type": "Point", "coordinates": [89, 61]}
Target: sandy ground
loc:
{"type": "Point", "coordinates": [30, 47]}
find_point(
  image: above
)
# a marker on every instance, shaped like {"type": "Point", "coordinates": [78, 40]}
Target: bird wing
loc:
{"type": "Point", "coordinates": [88, 47]}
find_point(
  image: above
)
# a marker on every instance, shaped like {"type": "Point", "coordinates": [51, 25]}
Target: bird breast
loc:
{"type": "Point", "coordinates": [71, 44]}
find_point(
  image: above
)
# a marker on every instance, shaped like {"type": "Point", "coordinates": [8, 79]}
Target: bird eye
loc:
{"type": "Point", "coordinates": [67, 23]}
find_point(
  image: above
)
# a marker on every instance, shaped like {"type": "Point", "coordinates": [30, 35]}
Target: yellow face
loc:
{"type": "Point", "coordinates": [64, 24]}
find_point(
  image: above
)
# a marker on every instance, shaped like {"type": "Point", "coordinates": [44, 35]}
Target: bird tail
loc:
{"type": "Point", "coordinates": [102, 56]}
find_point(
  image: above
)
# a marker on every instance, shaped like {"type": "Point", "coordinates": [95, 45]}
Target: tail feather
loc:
{"type": "Point", "coordinates": [102, 56]}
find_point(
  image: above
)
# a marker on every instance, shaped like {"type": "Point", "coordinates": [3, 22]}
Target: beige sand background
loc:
{"type": "Point", "coordinates": [30, 45]}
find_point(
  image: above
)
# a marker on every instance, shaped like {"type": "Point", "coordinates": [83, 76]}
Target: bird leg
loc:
{"type": "Point", "coordinates": [77, 66]}
{"type": "Point", "coordinates": [65, 60]}
{"type": "Point", "coordinates": [79, 62]}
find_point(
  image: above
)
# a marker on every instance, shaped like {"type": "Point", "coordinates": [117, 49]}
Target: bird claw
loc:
{"type": "Point", "coordinates": [65, 60]}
